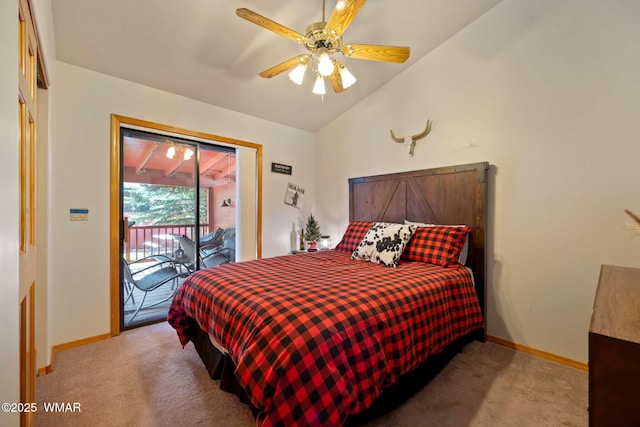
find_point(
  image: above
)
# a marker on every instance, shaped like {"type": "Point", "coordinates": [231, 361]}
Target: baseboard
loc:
{"type": "Point", "coordinates": [48, 369]}
{"type": "Point", "coordinates": [543, 354]}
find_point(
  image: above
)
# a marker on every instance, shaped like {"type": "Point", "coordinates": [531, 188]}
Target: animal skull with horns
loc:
{"type": "Point", "coordinates": [411, 140]}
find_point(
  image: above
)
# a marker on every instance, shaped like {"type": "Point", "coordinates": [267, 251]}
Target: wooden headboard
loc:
{"type": "Point", "coordinates": [449, 195]}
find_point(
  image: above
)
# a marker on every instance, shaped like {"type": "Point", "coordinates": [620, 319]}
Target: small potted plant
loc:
{"type": "Point", "coordinates": [312, 233]}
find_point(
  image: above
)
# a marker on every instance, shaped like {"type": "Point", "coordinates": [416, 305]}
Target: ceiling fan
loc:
{"type": "Point", "coordinates": [324, 39]}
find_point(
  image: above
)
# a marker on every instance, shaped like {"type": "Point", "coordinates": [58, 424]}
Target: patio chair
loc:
{"type": "Point", "coordinates": [209, 257]}
{"type": "Point", "coordinates": [146, 279]}
{"type": "Point", "coordinates": [213, 240]}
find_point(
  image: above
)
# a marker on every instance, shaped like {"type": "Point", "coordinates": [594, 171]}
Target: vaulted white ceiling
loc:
{"type": "Point", "coordinates": [200, 48]}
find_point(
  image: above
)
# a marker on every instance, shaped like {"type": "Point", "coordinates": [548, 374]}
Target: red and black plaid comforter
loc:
{"type": "Point", "coordinates": [317, 336]}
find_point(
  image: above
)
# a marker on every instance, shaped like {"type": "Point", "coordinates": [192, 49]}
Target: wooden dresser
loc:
{"type": "Point", "coordinates": [614, 349]}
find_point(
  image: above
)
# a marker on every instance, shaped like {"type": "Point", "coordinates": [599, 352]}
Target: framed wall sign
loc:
{"type": "Point", "coordinates": [280, 168]}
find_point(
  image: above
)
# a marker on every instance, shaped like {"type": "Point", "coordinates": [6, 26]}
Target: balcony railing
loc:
{"type": "Point", "coordinates": [147, 240]}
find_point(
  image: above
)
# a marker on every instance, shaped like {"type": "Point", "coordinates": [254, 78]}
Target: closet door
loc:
{"type": "Point", "coordinates": [27, 92]}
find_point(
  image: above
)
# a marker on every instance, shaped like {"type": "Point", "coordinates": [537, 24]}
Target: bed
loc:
{"type": "Point", "coordinates": [311, 339]}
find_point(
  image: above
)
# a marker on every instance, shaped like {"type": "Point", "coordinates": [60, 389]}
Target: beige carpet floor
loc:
{"type": "Point", "coordinates": [144, 378]}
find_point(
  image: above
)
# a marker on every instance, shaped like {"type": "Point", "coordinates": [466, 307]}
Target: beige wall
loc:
{"type": "Point", "coordinates": [547, 92]}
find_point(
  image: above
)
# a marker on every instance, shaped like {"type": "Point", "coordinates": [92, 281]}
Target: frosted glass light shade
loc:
{"type": "Point", "coordinates": [347, 78]}
{"type": "Point", "coordinates": [297, 74]}
{"type": "Point", "coordinates": [318, 87]}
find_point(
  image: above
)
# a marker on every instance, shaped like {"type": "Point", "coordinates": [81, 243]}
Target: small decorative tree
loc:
{"type": "Point", "coordinates": [312, 229]}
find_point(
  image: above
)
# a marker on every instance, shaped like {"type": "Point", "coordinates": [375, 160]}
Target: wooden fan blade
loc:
{"type": "Point", "coordinates": [372, 52]}
{"type": "Point", "coordinates": [336, 81]}
{"type": "Point", "coordinates": [280, 68]}
{"type": "Point", "coordinates": [343, 14]}
{"type": "Point", "coordinates": [269, 24]}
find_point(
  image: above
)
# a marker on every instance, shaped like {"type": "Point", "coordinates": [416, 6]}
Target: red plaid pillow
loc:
{"type": "Point", "coordinates": [353, 236]}
{"type": "Point", "coordinates": [439, 245]}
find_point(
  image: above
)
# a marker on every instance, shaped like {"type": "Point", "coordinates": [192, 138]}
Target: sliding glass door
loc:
{"type": "Point", "coordinates": [217, 185]}
{"type": "Point", "coordinates": [178, 215]}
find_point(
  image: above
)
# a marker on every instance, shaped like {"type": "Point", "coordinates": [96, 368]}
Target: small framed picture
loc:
{"type": "Point", "coordinates": [294, 195]}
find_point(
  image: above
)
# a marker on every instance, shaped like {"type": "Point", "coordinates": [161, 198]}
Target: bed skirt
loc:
{"type": "Point", "coordinates": [221, 367]}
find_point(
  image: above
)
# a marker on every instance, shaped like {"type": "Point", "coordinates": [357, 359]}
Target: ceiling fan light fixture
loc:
{"type": "Point", "coordinates": [322, 39]}
{"type": "Point", "coordinates": [171, 152]}
{"type": "Point", "coordinates": [188, 154]}
{"type": "Point", "coordinates": [318, 87]}
{"type": "Point", "coordinates": [325, 63]}
{"type": "Point", "coordinates": [347, 78]}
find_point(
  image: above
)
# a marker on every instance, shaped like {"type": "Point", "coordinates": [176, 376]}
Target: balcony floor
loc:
{"type": "Point", "coordinates": [150, 314]}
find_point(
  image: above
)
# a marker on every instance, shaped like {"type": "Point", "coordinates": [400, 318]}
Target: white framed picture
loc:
{"type": "Point", "coordinates": [294, 195]}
